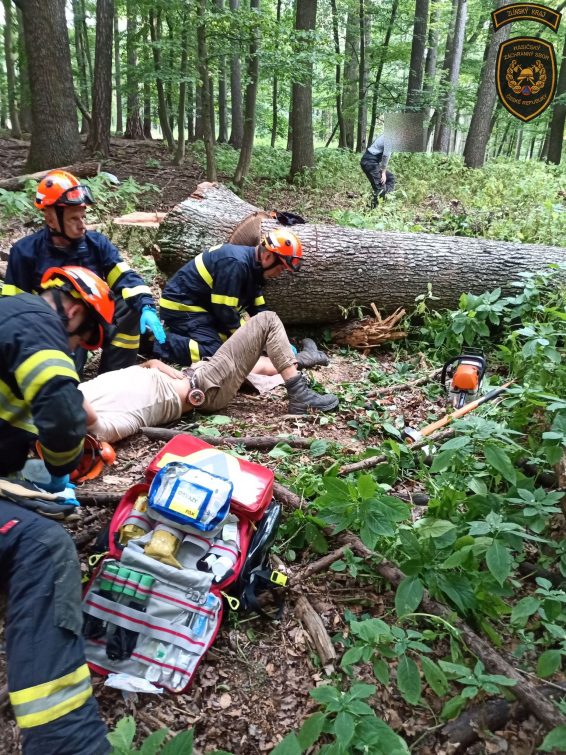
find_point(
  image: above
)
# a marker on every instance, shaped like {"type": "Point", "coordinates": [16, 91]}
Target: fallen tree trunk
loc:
{"type": "Point", "coordinates": [254, 443]}
{"type": "Point", "coordinates": [81, 170]}
{"type": "Point", "coordinates": [347, 265]}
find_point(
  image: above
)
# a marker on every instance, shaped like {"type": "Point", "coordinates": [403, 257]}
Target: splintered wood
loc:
{"type": "Point", "coordinates": [370, 332]}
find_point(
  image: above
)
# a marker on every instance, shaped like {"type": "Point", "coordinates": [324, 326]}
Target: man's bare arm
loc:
{"type": "Point", "coordinates": [91, 415]}
{"type": "Point", "coordinates": [156, 364]}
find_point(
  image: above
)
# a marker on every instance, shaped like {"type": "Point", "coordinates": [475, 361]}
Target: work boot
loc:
{"type": "Point", "coordinates": [301, 398]}
{"type": "Point", "coordinates": [310, 356]}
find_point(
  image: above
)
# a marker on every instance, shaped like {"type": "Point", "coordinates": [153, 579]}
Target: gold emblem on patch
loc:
{"type": "Point", "coordinates": [526, 76]}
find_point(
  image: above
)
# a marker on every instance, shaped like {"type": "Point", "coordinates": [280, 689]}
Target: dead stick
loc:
{"type": "Point", "coordinates": [86, 535]}
{"type": "Point", "coordinates": [316, 629]}
{"type": "Point", "coordinates": [256, 443]}
{"type": "Point", "coordinates": [95, 498]}
{"type": "Point", "coordinates": [404, 386]}
{"type": "Point", "coordinates": [317, 566]}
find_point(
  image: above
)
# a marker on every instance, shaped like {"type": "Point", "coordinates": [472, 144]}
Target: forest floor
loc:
{"type": "Point", "coordinates": [253, 685]}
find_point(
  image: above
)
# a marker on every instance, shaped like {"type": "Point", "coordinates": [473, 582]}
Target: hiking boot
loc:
{"type": "Point", "coordinates": [301, 398]}
{"type": "Point", "coordinates": [310, 356]}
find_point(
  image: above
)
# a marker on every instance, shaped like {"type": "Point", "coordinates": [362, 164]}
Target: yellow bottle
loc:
{"type": "Point", "coordinates": [138, 523]}
{"type": "Point", "coordinates": [164, 545]}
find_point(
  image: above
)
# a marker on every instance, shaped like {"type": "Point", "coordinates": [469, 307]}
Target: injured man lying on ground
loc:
{"type": "Point", "coordinates": [120, 403]}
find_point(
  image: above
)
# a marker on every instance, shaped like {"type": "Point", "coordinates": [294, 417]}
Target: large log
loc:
{"type": "Point", "coordinates": [347, 265]}
{"type": "Point", "coordinates": [80, 170]}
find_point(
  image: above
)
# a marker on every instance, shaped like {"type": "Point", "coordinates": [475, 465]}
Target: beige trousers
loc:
{"type": "Point", "coordinates": [221, 376]}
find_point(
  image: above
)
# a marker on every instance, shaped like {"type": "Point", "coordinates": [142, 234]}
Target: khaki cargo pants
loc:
{"type": "Point", "coordinates": [221, 376]}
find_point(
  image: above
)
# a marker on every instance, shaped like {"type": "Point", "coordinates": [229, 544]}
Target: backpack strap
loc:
{"type": "Point", "coordinates": [251, 593]}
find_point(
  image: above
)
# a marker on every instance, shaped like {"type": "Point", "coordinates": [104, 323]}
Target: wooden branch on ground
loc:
{"type": "Point", "coordinates": [316, 566]}
{"type": "Point", "coordinates": [86, 535]}
{"type": "Point", "coordinates": [81, 170]}
{"type": "Point", "coordinates": [405, 386]}
{"type": "Point", "coordinates": [316, 629]}
{"type": "Point", "coordinates": [251, 443]}
{"type": "Point", "coordinates": [369, 332]}
{"type": "Point", "coordinates": [560, 470]}
{"type": "Point", "coordinates": [87, 498]}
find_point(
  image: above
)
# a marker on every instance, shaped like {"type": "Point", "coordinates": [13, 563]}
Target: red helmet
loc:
{"type": "Point", "coordinates": [286, 246]}
{"type": "Point", "coordinates": [83, 284]}
{"type": "Point", "coordinates": [62, 189]}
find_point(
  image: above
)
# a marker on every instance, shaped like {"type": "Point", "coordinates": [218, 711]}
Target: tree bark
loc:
{"type": "Point", "coordinates": [208, 136]}
{"type": "Point", "coordinates": [180, 155]}
{"type": "Point", "coordinates": [545, 145]}
{"type": "Point", "coordinates": [99, 132]}
{"type": "Point", "coordinates": [86, 41]}
{"type": "Point", "coordinates": [81, 61]}
{"type": "Point", "coordinates": [274, 97]}
{"type": "Point", "coordinates": [222, 91]}
{"type": "Point", "coordinates": [558, 117]}
{"type": "Point", "coordinates": [432, 55]}
{"type": "Point", "coordinates": [445, 71]}
{"type": "Point", "coordinates": [118, 76]}
{"type": "Point", "coordinates": [351, 70]}
{"type": "Point", "coordinates": [3, 95]}
{"type": "Point", "coordinates": [453, 75]}
{"type": "Point", "coordinates": [415, 85]}
{"type": "Point", "coordinates": [342, 137]}
{"type": "Point", "coordinates": [55, 134]}
{"type": "Point", "coordinates": [211, 112]}
{"type": "Point", "coordinates": [237, 132]}
{"type": "Point", "coordinates": [15, 131]}
{"type": "Point", "coordinates": [190, 111]}
{"type": "Point", "coordinates": [250, 102]}
{"type": "Point", "coordinates": [262, 443]}
{"type": "Point", "coordinates": [134, 125]}
{"type": "Point", "coordinates": [25, 97]}
{"type": "Point", "coordinates": [362, 83]}
{"type": "Point", "coordinates": [80, 170]}
{"type": "Point", "coordinates": [169, 87]}
{"type": "Point", "coordinates": [395, 267]}
{"type": "Point", "coordinates": [377, 81]}
{"type": "Point", "coordinates": [147, 83]}
{"type": "Point", "coordinates": [155, 31]}
{"type": "Point", "coordinates": [199, 131]}
{"type": "Point", "coordinates": [303, 141]}
{"type": "Point", "coordinates": [290, 124]}
{"type": "Point", "coordinates": [479, 131]}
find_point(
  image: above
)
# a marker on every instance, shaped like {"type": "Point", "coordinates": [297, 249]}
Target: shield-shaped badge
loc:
{"type": "Point", "coordinates": [525, 76]}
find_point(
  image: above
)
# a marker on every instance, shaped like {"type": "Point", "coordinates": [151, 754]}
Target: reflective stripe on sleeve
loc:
{"type": "Point", "coordinates": [46, 702]}
{"type": "Point", "coordinates": [14, 410]}
{"type": "Point", "coordinates": [42, 367]}
{"type": "Point", "coordinates": [168, 304]}
{"type": "Point", "coordinates": [61, 458]}
{"type": "Point", "coordinates": [127, 293]}
{"type": "Point", "coordinates": [203, 272]}
{"type": "Point", "coordinates": [194, 351]}
{"type": "Point", "coordinates": [229, 301]}
{"type": "Point", "coordinates": [116, 272]}
{"type": "Point", "coordinates": [259, 301]}
{"type": "Point", "coordinates": [125, 341]}
{"type": "Point", "coordinates": [10, 290]}
{"type": "Point", "coordinates": [224, 337]}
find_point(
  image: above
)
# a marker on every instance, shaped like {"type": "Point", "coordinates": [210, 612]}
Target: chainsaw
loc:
{"type": "Point", "coordinates": [462, 377]}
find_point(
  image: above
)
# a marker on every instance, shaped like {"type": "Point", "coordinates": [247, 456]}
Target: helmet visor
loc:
{"type": "Point", "coordinates": [76, 196]}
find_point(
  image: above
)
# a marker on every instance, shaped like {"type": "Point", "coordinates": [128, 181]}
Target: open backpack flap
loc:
{"type": "Point", "coordinates": [199, 525]}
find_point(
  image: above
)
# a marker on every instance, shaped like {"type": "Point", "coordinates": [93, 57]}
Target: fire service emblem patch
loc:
{"type": "Point", "coordinates": [525, 76]}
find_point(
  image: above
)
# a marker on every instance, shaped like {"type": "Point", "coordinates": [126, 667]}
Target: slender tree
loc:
{"type": "Point", "coordinates": [351, 70]}
{"type": "Point", "coordinates": [222, 90]}
{"type": "Point", "coordinates": [211, 112]}
{"type": "Point", "coordinates": [81, 61]}
{"type": "Point", "coordinates": [86, 40]}
{"type": "Point", "coordinates": [414, 88]}
{"type": "Point", "coordinates": [155, 29]}
{"type": "Point", "coordinates": [199, 129]}
{"type": "Point", "coordinates": [25, 96]}
{"type": "Point", "coordinates": [11, 71]}
{"type": "Point", "coordinates": [558, 116]}
{"type": "Point", "coordinates": [3, 89]}
{"type": "Point", "coordinates": [180, 155]}
{"type": "Point", "coordinates": [453, 75]}
{"type": "Point", "coordinates": [99, 133]}
{"type": "Point", "coordinates": [342, 137]}
{"type": "Point", "coordinates": [363, 79]}
{"type": "Point", "coordinates": [275, 81]}
{"type": "Point", "coordinates": [303, 143]}
{"type": "Point", "coordinates": [250, 102]}
{"type": "Point", "coordinates": [237, 132]}
{"type": "Point", "coordinates": [55, 135]}
{"type": "Point", "coordinates": [134, 126]}
{"type": "Point", "coordinates": [190, 111]}
{"type": "Point", "coordinates": [519, 144]}
{"type": "Point", "coordinates": [146, 80]}
{"type": "Point", "coordinates": [431, 57]}
{"type": "Point", "coordinates": [377, 82]}
{"type": "Point", "coordinates": [445, 72]}
{"type": "Point", "coordinates": [205, 91]}
{"type": "Point", "coordinates": [117, 75]}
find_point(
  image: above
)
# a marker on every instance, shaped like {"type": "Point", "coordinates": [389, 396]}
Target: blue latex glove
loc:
{"type": "Point", "coordinates": [149, 319]}
{"type": "Point", "coordinates": [56, 484]}
{"type": "Point", "coordinates": [293, 348]}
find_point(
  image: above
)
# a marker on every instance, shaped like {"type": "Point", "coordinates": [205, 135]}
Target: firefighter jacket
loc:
{"type": "Point", "coordinates": [31, 256]}
{"type": "Point", "coordinates": [223, 282]}
{"type": "Point", "coordinates": [39, 397]}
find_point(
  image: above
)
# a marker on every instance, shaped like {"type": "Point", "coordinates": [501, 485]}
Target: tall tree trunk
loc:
{"type": "Point", "coordinates": [519, 144]}
{"type": "Point", "coordinates": [432, 55]}
{"type": "Point", "coordinates": [365, 41]}
{"type": "Point", "coordinates": [222, 91]}
{"type": "Point", "coordinates": [3, 91]}
{"type": "Point", "coordinates": [545, 144]}
{"type": "Point", "coordinates": [377, 82]}
{"type": "Point", "coordinates": [211, 112]}
{"type": "Point", "coordinates": [180, 156]}
{"type": "Point", "coordinates": [454, 73]}
{"type": "Point", "coordinates": [25, 97]}
{"type": "Point", "coordinates": [154, 28]}
{"type": "Point", "coordinates": [289, 146]}
{"type": "Point", "coordinates": [274, 97]}
{"type": "Point", "coordinates": [445, 71]}
{"type": "Point", "coordinates": [117, 75]}
{"type": "Point", "coordinates": [351, 69]}
{"type": "Point", "coordinates": [208, 135]}
{"type": "Point", "coordinates": [169, 86]}
{"type": "Point", "coordinates": [415, 85]}
{"type": "Point", "coordinates": [199, 129]}
{"type": "Point", "coordinates": [250, 102]}
{"type": "Point", "coordinates": [479, 131]}
{"type": "Point", "coordinates": [55, 134]}
{"type": "Point", "coordinates": [146, 82]}
{"type": "Point", "coordinates": [558, 117]}
{"type": "Point", "coordinates": [532, 148]}
{"type": "Point", "coordinates": [303, 142]}
{"type": "Point", "coordinates": [99, 133]}
{"type": "Point", "coordinates": [342, 137]}
{"type": "Point", "coordinates": [11, 71]}
{"type": "Point", "coordinates": [81, 60]}
{"type": "Point", "coordinates": [503, 138]}
{"type": "Point", "coordinates": [190, 111]}
{"type": "Point", "coordinates": [134, 125]}
{"type": "Point", "coordinates": [237, 132]}
{"type": "Point", "coordinates": [86, 42]}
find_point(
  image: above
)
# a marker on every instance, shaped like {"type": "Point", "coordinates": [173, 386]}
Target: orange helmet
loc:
{"type": "Point", "coordinates": [95, 455]}
{"type": "Point", "coordinates": [62, 189]}
{"type": "Point", "coordinates": [286, 246]}
{"type": "Point", "coordinates": [83, 284]}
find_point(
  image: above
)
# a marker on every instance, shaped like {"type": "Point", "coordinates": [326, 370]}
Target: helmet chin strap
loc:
{"type": "Point", "coordinates": [276, 263]}
{"type": "Point", "coordinates": [84, 328]}
{"type": "Point", "coordinates": [60, 213]}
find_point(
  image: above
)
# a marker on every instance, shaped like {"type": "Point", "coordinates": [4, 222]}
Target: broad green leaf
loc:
{"type": "Point", "coordinates": [434, 527]}
{"type": "Point", "coordinates": [408, 596]}
{"type": "Point", "coordinates": [477, 486]}
{"type": "Point", "coordinates": [366, 486]}
{"type": "Point", "coordinates": [498, 559]}
{"type": "Point", "coordinates": [124, 733]}
{"type": "Point", "coordinates": [453, 708]}
{"type": "Point", "coordinates": [555, 739]}
{"type": "Point", "coordinates": [549, 663]}
{"type": "Point", "coordinates": [337, 488]}
{"type": "Point", "coordinates": [391, 508]}
{"type": "Point", "coordinates": [324, 694]}
{"type": "Point", "coordinates": [454, 444]}
{"type": "Point", "coordinates": [289, 746]}
{"type": "Point", "coordinates": [315, 538]}
{"type": "Point", "coordinates": [318, 447]}
{"type": "Point", "coordinates": [524, 608]}
{"type": "Point", "coordinates": [281, 451]}
{"type": "Point", "coordinates": [152, 745]}
{"type": "Point", "coordinates": [498, 459]}
{"type": "Point", "coordinates": [381, 671]}
{"type": "Point", "coordinates": [553, 454]}
{"type": "Point", "coordinates": [459, 589]}
{"type": "Point", "coordinates": [344, 725]}
{"type": "Point", "coordinates": [362, 691]}
{"type": "Point", "coordinates": [435, 676]}
{"type": "Point", "coordinates": [442, 461]}
{"type": "Point", "coordinates": [353, 655]}
{"type": "Point", "coordinates": [409, 680]}
{"type": "Point", "coordinates": [219, 419]}
{"type": "Point", "coordinates": [182, 744]}
{"type": "Point", "coordinates": [311, 730]}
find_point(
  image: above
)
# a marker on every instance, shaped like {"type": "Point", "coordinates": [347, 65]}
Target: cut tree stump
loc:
{"type": "Point", "coordinates": [346, 266]}
{"type": "Point", "coordinates": [80, 170]}
{"type": "Point", "coordinates": [369, 332]}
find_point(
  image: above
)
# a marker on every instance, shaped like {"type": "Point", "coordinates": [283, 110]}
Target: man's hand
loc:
{"type": "Point", "coordinates": [150, 320]}
{"type": "Point", "coordinates": [383, 176]}
{"type": "Point", "coordinates": [156, 364]}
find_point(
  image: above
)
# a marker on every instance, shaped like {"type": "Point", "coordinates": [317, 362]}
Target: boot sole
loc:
{"type": "Point", "coordinates": [296, 413]}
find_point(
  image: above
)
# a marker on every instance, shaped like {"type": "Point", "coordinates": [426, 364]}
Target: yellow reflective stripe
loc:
{"type": "Point", "coordinates": [168, 304]}
{"type": "Point", "coordinates": [223, 337]}
{"type": "Point", "coordinates": [42, 367]}
{"type": "Point", "coordinates": [116, 272]}
{"type": "Point", "coordinates": [229, 301]}
{"type": "Point", "coordinates": [128, 337]}
{"type": "Point", "coordinates": [14, 410]}
{"type": "Point", "coordinates": [127, 293]}
{"type": "Point", "coordinates": [10, 290]}
{"type": "Point", "coordinates": [214, 248]}
{"type": "Point", "coordinates": [194, 351]}
{"type": "Point", "coordinates": [259, 301]}
{"type": "Point", "coordinates": [233, 330]}
{"type": "Point", "coordinates": [55, 712]}
{"type": "Point", "coordinates": [60, 458]}
{"type": "Point", "coordinates": [203, 272]}
{"type": "Point", "coordinates": [48, 688]}
{"type": "Point", "coordinates": [125, 341]}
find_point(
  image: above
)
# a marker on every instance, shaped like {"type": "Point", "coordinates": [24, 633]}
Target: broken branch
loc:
{"type": "Point", "coordinates": [316, 629]}
{"type": "Point", "coordinates": [252, 443]}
